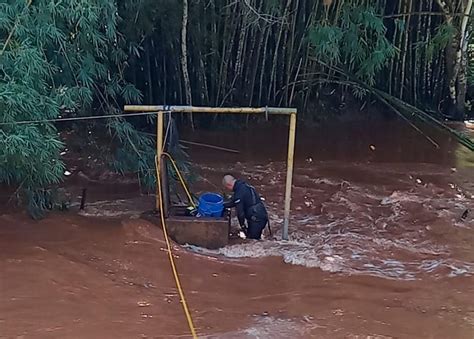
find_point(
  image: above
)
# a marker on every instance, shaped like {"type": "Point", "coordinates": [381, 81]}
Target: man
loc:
{"type": "Point", "coordinates": [248, 205]}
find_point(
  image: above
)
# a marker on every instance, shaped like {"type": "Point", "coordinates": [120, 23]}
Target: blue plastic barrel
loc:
{"type": "Point", "coordinates": [211, 205]}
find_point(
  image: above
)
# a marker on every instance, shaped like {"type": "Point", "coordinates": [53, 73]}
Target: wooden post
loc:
{"type": "Point", "coordinates": [83, 199]}
{"type": "Point", "coordinates": [159, 151]}
{"type": "Point", "coordinates": [289, 174]}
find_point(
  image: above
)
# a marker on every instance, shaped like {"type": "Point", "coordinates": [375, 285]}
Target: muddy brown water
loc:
{"type": "Point", "coordinates": [378, 247]}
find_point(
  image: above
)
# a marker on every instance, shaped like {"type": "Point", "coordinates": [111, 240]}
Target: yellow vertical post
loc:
{"type": "Point", "coordinates": [159, 151]}
{"type": "Point", "coordinates": [289, 174]}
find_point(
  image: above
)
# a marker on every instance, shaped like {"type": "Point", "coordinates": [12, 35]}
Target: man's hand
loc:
{"type": "Point", "coordinates": [243, 231]}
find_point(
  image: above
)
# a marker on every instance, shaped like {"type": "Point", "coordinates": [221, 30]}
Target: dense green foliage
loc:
{"type": "Point", "coordinates": [357, 42]}
{"type": "Point", "coordinates": [58, 58]}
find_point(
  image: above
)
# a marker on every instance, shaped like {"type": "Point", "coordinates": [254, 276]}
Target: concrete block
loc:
{"type": "Point", "coordinates": [210, 233]}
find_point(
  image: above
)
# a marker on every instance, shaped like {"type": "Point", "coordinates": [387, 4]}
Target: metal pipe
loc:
{"type": "Point", "coordinates": [289, 175]}
{"type": "Point", "coordinates": [159, 148]}
{"type": "Point", "coordinates": [197, 109]}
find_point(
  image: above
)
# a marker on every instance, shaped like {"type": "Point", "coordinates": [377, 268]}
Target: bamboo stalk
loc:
{"type": "Point", "coordinates": [395, 77]}
{"type": "Point", "coordinates": [253, 69]}
{"type": "Point", "coordinates": [220, 79]}
{"type": "Point", "coordinates": [148, 74]}
{"type": "Point", "coordinates": [307, 62]}
{"type": "Point", "coordinates": [405, 50]}
{"type": "Point", "coordinates": [213, 59]}
{"type": "Point", "coordinates": [290, 54]}
{"type": "Point", "coordinates": [262, 68]}
{"type": "Point", "coordinates": [253, 75]}
{"type": "Point", "coordinates": [226, 60]}
{"type": "Point", "coordinates": [273, 74]}
{"type": "Point", "coordinates": [462, 62]}
{"type": "Point", "coordinates": [426, 61]}
{"type": "Point", "coordinates": [165, 82]}
{"type": "Point", "coordinates": [438, 81]}
{"type": "Point", "coordinates": [392, 62]}
{"type": "Point", "coordinates": [416, 79]}
{"type": "Point", "coordinates": [239, 58]}
{"type": "Point", "coordinates": [250, 65]}
{"type": "Point", "coordinates": [184, 58]}
{"type": "Point", "coordinates": [294, 83]}
{"type": "Point", "coordinates": [205, 90]}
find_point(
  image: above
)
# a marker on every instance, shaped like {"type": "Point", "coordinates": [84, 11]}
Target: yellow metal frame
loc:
{"type": "Point", "coordinates": [291, 112]}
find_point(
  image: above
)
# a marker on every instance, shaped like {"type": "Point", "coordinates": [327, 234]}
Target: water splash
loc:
{"type": "Point", "coordinates": [271, 327]}
{"type": "Point", "coordinates": [398, 231]}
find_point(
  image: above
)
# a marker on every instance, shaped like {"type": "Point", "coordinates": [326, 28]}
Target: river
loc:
{"type": "Point", "coordinates": [381, 246]}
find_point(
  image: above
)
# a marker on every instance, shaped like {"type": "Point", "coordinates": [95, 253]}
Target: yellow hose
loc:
{"type": "Point", "coordinates": [168, 245]}
{"type": "Point", "coordinates": [183, 183]}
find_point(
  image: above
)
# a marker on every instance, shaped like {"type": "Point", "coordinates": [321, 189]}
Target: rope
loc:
{"type": "Point", "coordinates": [168, 127]}
{"type": "Point", "coordinates": [92, 117]}
{"type": "Point", "coordinates": [170, 254]}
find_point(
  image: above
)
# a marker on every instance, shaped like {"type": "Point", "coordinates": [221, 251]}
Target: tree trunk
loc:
{"type": "Point", "coordinates": [239, 59]}
{"type": "Point", "coordinates": [273, 75]}
{"type": "Point", "coordinates": [184, 59]}
{"type": "Point", "coordinates": [148, 75]}
{"type": "Point", "coordinates": [462, 64]}
{"type": "Point", "coordinates": [407, 9]}
{"type": "Point", "coordinates": [428, 69]}
{"type": "Point", "coordinates": [455, 56]}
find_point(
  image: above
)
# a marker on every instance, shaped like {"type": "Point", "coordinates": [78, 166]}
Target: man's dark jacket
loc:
{"type": "Point", "coordinates": [248, 204]}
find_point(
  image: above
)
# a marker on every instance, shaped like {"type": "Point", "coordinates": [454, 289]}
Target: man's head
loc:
{"type": "Point", "coordinates": [228, 182]}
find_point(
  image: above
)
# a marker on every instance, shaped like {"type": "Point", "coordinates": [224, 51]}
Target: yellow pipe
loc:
{"type": "Point", "coordinates": [217, 110]}
{"type": "Point", "coordinates": [159, 147]}
{"type": "Point", "coordinates": [289, 175]}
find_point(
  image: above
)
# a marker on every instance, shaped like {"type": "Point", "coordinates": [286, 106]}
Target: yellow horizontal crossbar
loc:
{"type": "Point", "coordinates": [216, 110]}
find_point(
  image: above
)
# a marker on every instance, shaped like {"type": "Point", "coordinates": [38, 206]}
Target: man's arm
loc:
{"type": "Point", "coordinates": [239, 207]}
{"type": "Point", "coordinates": [229, 203]}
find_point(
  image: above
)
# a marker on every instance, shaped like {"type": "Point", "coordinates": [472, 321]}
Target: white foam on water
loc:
{"type": "Point", "coordinates": [326, 181]}
{"type": "Point", "coordinates": [363, 229]}
{"type": "Point", "coordinates": [397, 197]}
{"type": "Point", "coordinates": [270, 327]}
{"type": "Point", "coordinates": [332, 249]}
